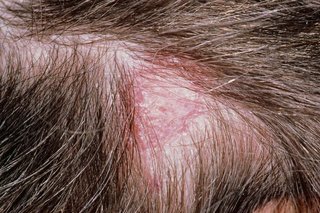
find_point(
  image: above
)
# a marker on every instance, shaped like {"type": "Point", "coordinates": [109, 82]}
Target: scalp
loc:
{"type": "Point", "coordinates": [259, 60]}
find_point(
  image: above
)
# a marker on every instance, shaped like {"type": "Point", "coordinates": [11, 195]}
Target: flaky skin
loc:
{"type": "Point", "coordinates": [68, 139]}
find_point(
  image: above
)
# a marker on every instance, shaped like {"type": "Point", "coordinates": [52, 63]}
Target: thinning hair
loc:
{"type": "Point", "coordinates": [68, 139]}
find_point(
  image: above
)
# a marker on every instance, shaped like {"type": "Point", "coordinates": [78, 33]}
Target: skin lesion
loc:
{"type": "Point", "coordinates": [181, 151]}
{"type": "Point", "coordinates": [176, 120]}
{"type": "Point", "coordinates": [179, 106]}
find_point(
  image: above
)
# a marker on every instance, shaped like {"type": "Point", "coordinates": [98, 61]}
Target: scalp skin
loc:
{"type": "Point", "coordinates": [71, 117]}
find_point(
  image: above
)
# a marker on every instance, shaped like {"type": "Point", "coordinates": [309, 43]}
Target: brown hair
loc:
{"type": "Point", "coordinates": [67, 133]}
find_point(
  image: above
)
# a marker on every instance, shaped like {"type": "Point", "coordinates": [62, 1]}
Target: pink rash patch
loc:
{"type": "Point", "coordinates": [168, 115]}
